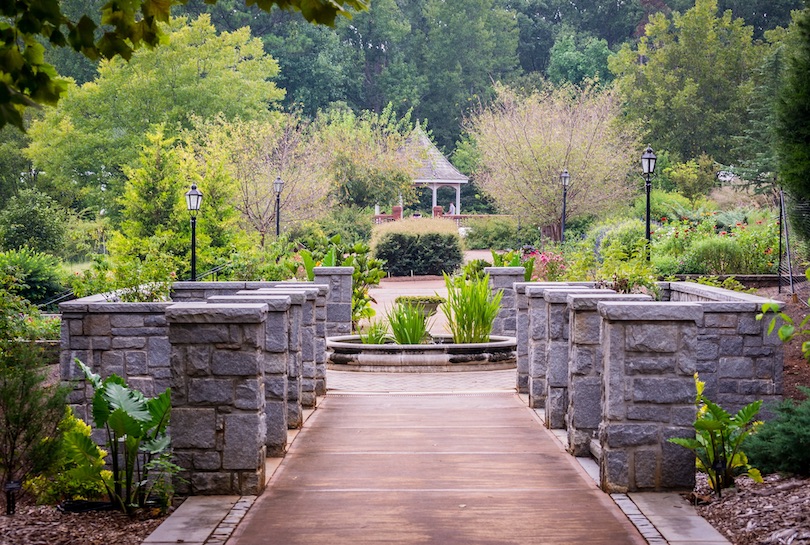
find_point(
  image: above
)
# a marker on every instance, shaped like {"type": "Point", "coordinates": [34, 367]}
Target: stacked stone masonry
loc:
{"type": "Point", "coordinates": [618, 379]}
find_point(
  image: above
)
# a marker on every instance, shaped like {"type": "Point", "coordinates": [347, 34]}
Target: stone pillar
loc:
{"type": "Point", "coordinates": [557, 351]}
{"type": "Point", "coordinates": [282, 354]}
{"type": "Point", "coordinates": [218, 402]}
{"type": "Point", "coordinates": [585, 368]}
{"type": "Point", "coordinates": [648, 395]}
{"type": "Point", "coordinates": [309, 346]}
{"type": "Point", "coordinates": [438, 211]}
{"type": "Point", "coordinates": [339, 302]}
{"type": "Point", "coordinates": [396, 211]}
{"type": "Point", "coordinates": [522, 336]}
{"type": "Point", "coordinates": [503, 279]}
{"type": "Point", "coordinates": [127, 339]}
{"type": "Point", "coordinates": [537, 337]}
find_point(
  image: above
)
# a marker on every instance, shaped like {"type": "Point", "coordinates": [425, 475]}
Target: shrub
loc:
{"type": "Point", "coordinates": [663, 204]}
{"type": "Point", "coordinates": [411, 249]}
{"type": "Point", "coordinates": [39, 276]}
{"type": "Point", "coordinates": [474, 269]}
{"type": "Point", "coordinates": [30, 409]}
{"type": "Point", "coordinates": [716, 255]}
{"type": "Point", "coordinates": [58, 484]}
{"type": "Point", "coordinates": [497, 233]}
{"type": "Point", "coordinates": [34, 220]}
{"type": "Point", "coordinates": [783, 444]}
{"type": "Point", "coordinates": [130, 279]}
{"type": "Point", "coordinates": [471, 308]}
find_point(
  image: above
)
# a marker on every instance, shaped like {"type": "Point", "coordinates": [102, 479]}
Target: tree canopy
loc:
{"type": "Point", "coordinates": [26, 79]}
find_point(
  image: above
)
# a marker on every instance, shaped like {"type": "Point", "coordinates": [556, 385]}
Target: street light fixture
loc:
{"type": "Point", "coordinates": [648, 167]}
{"type": "Point", "coordinates": [565, 179]}
{"type": "Point", "coordinates": [193, 201]}
{"type": "Point", "coordinates": [278, 185]}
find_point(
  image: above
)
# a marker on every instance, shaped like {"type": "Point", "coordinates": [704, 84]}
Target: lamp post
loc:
{"type": "Point", "coordinates": [278, 185]}
{"type": "Point", "coordinates": [193, 200]}
{"type": "Point", "coordinates": [565, 179]}
{"type": "Point", "coordinates": [648, 167]}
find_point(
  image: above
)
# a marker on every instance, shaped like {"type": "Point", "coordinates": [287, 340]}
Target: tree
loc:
{"type": "Point", "coordinates": [793, 119]}
{"type": "Point", "coordinates": [252, 154]}
{"type": "Point", "coordinates": [694, 178]}
{"type": "Point", "coordinates": [34, 220]}
{"type": "Point", "coordinates": [367, 156]}
{"type": "Point", "coordinates": [525, 142]}
{"type": "Point", "coordinates": [576, 57]}
{"type": "Point", "coordinates": [689, 81]}
{"type": "Point", "coordinates": [99, 127]}
{"type": "Point", "coordinates": [27, 80]}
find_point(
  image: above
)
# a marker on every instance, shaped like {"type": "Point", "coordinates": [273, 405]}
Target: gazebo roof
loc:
{"type": "Point", "coordinates": [435, 169]}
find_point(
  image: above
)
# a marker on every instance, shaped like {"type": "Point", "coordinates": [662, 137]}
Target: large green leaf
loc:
{"type": "Point", "coordinates": [129, 401]}
{"type": "Point", "coordinates": [122, 424]}
{"type": "Point", "coordinates": [747, 413]}
{"type": "Point", "coordinates": [159, 408]}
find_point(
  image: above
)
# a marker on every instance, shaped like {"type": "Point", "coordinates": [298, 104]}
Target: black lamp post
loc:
{"type": "Point", "coordinates": [565, 179]}
{"type": "Point", "coordinates": [648, 167]}
{"type": "Point", "coordinates": [193, 200]}
{"type": "Point", "coordinates": [278, 185]}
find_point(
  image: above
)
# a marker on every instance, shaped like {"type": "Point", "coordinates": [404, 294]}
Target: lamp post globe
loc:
{"type": "Point", "coordinates": [193, 201]}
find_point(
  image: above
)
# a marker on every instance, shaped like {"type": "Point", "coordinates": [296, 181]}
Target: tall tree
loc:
{"type": "Point", "coordinates": [689, 80]}
{"type": "Point", "coordinates": [82, 144]}
{"type": "Point", "coordinates": [525, 142]}
{"type": "Point", "coordinates": [578, 56]}
{"type": "Point", "coordinates": [793, 118]}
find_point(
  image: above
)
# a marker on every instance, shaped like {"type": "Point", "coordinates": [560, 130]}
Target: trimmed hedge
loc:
{"type": "Point", "coordinates": [419, 254]}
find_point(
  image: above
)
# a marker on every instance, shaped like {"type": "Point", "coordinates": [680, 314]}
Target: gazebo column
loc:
{"type": "Point", "coordinates": [434, 187]}
{"type": "Point", "coordinates": [458, 198]}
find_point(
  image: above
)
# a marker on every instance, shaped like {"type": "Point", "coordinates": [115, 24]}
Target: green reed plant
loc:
{"type": "Point", "coordinates": [408, 323]}
{"type": "Point", "coordinates": [471, 308]}
{"type": "Point", "coordinates": [376, 333]}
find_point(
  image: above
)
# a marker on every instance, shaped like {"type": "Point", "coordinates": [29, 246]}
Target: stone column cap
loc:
{"type": "Point", "coordinates": [650, 311]}
{"type": "Point", "coordinates": [589, 301]}
{"type": "Point", "coordinates": [504, 271]}
{"type": "Point", "coordinates": [275, 303]}
{"type": "Point", "coordinates": [202, 285]}
{"type": "Point", "coordinates": [560, 295]}
{"type": "Point", "coordinates": [217, 313]}
{"type": "Point", "coordinates": [95, 306]}
{"type": "Point", "coordinates": [714, 293]}
{"type": "Point", "coordinates": [326, 271]}
{"type": "Point", "coordinates": [323, 289]}
{"type": "Point", "coordinates": [309, 292]}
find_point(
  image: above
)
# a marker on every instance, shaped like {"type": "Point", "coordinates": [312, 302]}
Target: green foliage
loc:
{"type": "Point", "coordinates": [471, 308]}
{"type": "Point", "coordinates": [423, 299]}
{"type": "Point", "coordinates": [34, 220]}
{"type": "Point", "coordinates": [515, 258]}
{"type": "Point", "coordinates": [718, 441]}
{"type": "Point", "coordinates": [474, 270]}
{"type": "Point", "coordinates": [274, 261]}
{"type": "Point", "coordinates": [27, 80]}
{"type": "Point", "coordinates": [694, 178]}
{"type": "Point", "coordinates": [57, 484]}
{"type": "Point", "coordinates": [663, 204]}
{"type": "Point", "coordinates": [576, 57]}
{"type": "Point", "coordinates": [128, 280]}
{"type": "Point", "coordinates": [714, 256]}
{"type": "Point", "coordinates": [409, 323]}
{"type": "Point", "coordinates": [39, 277]}
{"type": "Point", "coordinates": [729, 283]}
{"type": "Point", "coordinates": [375, 333]}
{"type": "Point", "coordinates": [351, 223]}
{"type": "Point", "coordinates": [694, 86]}
{"type": "Point", "coordinates": [498, 233]}
{"type": "Point", "coordinates": [412, 253]}
{"type": "Point", "coordinates": [135, 429]}
{"type": "Point", "coordinates": [783, 443]}
{"type": "Point", "coordinates": [788, 330]}
{"type": "Point", "coordinates": [30, 408]}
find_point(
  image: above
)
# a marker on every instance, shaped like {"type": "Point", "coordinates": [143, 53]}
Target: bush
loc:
{"type": "Point", "coordinates": [783, 444]}
{"type": "Point", "coordinates": [663, 204]}
{"type": "Point", "coordinates": [32, 219]}
{"type": "Point", "coordinates": [38, 276]}
{"type": "Point", "coordinates": [491, 234]}
{"type": "Point", "coordinates": [716, 255]}
{"type": "Point", "coordinates": [408, 251]}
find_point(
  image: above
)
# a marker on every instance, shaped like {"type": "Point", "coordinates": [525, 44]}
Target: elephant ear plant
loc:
{"type": "Point", "coordinates": [137, 443]}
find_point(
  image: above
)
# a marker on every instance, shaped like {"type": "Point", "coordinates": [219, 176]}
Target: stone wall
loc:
{"type": "Point", "coordinates": [339, 307]}
{"type": "Point", "coordinates": [126, 339]}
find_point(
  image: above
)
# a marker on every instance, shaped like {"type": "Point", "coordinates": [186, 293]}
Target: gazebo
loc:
{"type": "Point", "coordinates": [436, 171]}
